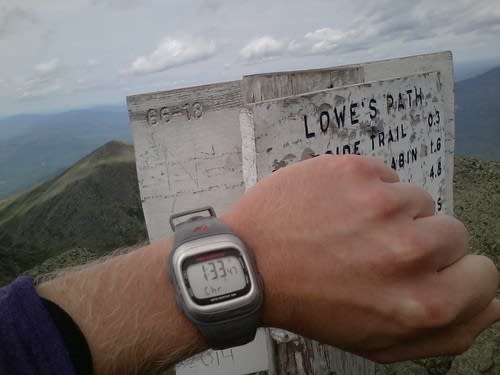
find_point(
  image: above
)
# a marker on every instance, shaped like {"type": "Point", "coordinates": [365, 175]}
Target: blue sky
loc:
{"type": "Point", "coordinates": [60, 54]}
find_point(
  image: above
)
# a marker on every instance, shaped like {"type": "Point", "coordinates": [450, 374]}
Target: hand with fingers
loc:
{"type": "Point", "coordinates": [352, 257]}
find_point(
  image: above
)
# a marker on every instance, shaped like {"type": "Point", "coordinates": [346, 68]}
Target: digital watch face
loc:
{"type": "Point", "coordinates": [216, 276]}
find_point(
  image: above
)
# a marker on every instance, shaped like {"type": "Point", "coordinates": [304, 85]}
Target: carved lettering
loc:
{"type": "Point", "coordinates": [190, 111]}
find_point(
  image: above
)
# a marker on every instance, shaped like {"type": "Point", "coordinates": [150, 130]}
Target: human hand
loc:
{"type": "Point", "coordinates": [354, 258]}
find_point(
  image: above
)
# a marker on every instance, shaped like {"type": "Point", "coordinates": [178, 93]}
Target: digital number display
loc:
{"type": "Point", "coordinates": [216, 277]}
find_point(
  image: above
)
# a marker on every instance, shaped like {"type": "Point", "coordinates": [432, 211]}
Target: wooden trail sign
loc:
{"type": "Point", "coordinates": [439, 65]}
{"type": "Point", "coordinates": [188, 150]}
{"type": "Point", "coordinates": [205, 145]}
{"type": "Point", "coordinates": [399, 121]}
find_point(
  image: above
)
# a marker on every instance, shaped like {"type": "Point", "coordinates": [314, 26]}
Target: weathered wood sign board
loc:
{"type": "Point", "coordinates": [239, 360]}
{"type": "Point", "coordinates": [206, 145]}
{"type": "Point", "coordinates": [261, 87]}
{"type": "Point", "coordinates": [259, 90]}
{"type": "Point", "coordinates": [188, 150]}
{"type": "Point", "coordinates": [399, 121]}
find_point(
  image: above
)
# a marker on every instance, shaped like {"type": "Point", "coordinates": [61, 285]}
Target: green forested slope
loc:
{"type": "Point", "coordinates": [94, 204]}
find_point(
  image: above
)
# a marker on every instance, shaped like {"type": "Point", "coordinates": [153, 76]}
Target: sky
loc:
{"type": "Point", "coordinates": [57, 55]}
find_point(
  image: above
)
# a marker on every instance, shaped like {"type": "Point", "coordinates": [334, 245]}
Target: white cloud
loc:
{"type": "Point", "coordinates": [46, 80]}
{"type": "Point", "coordinates": [172, 52]}
{"type": "Point", "coordinates": [318, 42]}
{"type": "Point", "coordinates": [262, 48]}
{"type": "Point", "coordinates": [300, 35]}
{"type": "Point", "coordinates": [481, 19]}
{"type": "Point", "coordinates": [425, 20]}
{"type": "Point", "coordinates": [40, 87]}
{"type": "Point", "coordinates": [48, 67]}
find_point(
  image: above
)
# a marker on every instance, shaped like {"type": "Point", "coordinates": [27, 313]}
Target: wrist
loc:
{"type": "Point", "coordinates": [271, 315]}
{"type": "Point", "coordinates": [126, 309]}
{"type": "Point", "coordinates": [162, 250]}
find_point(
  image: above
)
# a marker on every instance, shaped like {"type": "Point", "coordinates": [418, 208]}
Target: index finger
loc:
{"type": "Point", "coordinates": [468, 285]}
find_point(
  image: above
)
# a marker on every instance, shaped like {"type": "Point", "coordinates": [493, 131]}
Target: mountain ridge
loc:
{"type": "Point", "coordinates": [33, 148]}
{"type": "Point", "coordinates": [93, 204]}
{"type": "Point", "coordinates": [477, 116]}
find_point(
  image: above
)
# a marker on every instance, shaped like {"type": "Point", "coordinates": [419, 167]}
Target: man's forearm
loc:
{"type": "Point", "coordinates": [126, 309]}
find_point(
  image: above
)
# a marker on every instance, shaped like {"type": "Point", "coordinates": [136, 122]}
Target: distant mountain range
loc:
{"type": "Point", "coordinates": [477, 116]}
{"type": "Point", "coordinates": [36, 147]}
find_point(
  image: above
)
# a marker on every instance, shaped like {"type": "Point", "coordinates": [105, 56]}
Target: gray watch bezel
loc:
{"type": "Point", "coordinates": [222, 310]}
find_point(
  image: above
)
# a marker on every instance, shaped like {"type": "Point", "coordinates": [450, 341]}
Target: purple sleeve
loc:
{"type": "Point", "coordinates": [30, 342]}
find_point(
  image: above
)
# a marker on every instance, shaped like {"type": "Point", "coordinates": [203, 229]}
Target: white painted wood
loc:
{"type": "Point", "coordinates": [441, 62]}
{"type": "Point", "coordinates": [240, 360]}
{"type": "Point", "coordinates": [261, 87]}
{"type": "Point", "coordinates": [188, 150]}
{"type": "Point", "coordinates": [248, 148]}
{"type": "Point", "coordinates": [275, 85]}
{"type": "Point", "coordinates": [402, 137]}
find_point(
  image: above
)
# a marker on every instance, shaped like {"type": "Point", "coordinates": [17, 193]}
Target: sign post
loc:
{"type": "Point", "coordinates": [207, 144]}
{"type": "Point", "coordinates": [188, 150]}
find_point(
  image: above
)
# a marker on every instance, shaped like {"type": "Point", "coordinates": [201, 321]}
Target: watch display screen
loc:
{"type": "Point", "coordinates": [216, 276]}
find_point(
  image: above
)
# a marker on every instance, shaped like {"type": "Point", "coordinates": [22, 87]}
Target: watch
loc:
{"type": "Point", "coordinates": [215, 278]}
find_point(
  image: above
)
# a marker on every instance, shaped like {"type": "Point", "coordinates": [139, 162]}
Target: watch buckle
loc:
{"type": "Point", "coordinates": [210, 210]}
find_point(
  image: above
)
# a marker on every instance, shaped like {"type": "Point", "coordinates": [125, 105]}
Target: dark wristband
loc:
{"type": "Point", "coordinates": [73, 338]}
{"type": "Point", "coordinates": [231, 333]}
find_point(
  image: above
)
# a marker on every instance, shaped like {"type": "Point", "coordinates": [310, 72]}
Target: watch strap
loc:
{"type": "Point", "coordinates": [199, 227]}
{"type": "Point", "coordinates": [230, 333]}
